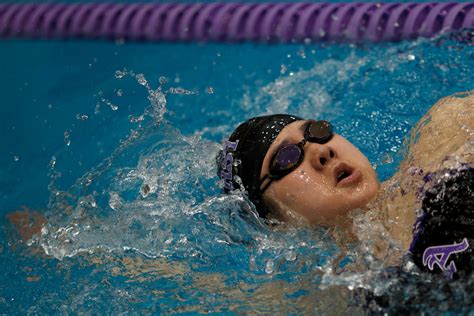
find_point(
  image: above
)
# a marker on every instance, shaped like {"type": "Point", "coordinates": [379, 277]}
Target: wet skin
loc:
{"type": "Point", "coordinates": [315, 192]}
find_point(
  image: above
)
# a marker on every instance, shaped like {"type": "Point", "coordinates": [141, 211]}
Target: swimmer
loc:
{"type": "Point", "coordinates": [299, 171]}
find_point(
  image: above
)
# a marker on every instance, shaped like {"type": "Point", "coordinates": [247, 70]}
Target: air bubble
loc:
{"type": "Point", "coordinates": [119, 92]}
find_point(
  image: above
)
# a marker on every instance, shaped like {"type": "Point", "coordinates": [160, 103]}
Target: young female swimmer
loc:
{"type": "Point", "coordinates": [298, 170]}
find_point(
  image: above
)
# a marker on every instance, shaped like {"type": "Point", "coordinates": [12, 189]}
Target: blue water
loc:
{"type": "Point", "coordinates": [147, 229]}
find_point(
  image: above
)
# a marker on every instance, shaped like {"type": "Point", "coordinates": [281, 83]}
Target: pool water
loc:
{"type": "Point", "coordinates": [114, 143]}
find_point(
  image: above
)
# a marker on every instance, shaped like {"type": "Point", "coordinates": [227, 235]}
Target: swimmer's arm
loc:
{"type": "Point", "coordinates": [446, 130]}
{"type": "Point", "coordinates": [443, 132]}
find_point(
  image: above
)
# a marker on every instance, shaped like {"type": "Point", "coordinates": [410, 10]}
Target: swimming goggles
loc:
{"type": "Point", "coordinates": [289, 157]}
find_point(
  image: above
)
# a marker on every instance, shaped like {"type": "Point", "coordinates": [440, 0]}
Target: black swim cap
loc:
{"type": "Point", "coordinates": [240, 162]}
{"type": "Point", "coordinates": [444, 234]}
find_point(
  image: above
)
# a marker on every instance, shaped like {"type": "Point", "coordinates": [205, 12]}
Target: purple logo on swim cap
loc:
{"type": "Point", "coordinates": [226, 172]}
{"type": "Point", "coordinates": [440, 254]}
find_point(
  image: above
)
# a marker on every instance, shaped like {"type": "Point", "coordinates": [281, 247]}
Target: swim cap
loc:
{"type": "Point", "coordinates": [240, 162]}
{"type": "Point", "coordinates": [444, 234]}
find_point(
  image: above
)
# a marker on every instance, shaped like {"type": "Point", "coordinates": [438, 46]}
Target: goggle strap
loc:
{"type": "Point", "coordinates": [266, 186]}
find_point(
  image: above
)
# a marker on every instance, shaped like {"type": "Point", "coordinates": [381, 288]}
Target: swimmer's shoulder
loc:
{"type": "Point", "coordinates": [440, 140]}
{"type": "Point", "coordinates": [447, 129]}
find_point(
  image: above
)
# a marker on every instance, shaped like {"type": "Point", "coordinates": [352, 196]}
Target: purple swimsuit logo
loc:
{"type": "Point", "coordinates": [440, 254]}
{"type": "Point", "coordinates": [226, 172]}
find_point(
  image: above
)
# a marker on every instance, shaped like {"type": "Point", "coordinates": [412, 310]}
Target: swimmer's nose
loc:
{"type": "Point", "coordinates": [321, 155]}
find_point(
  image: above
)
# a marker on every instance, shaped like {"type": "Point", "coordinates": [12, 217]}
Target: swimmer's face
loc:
{"type": "Point", "coordinates": [333, 179]}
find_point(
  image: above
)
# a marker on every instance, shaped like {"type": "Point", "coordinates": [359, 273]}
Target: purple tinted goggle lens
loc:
{"type": "Point", "coordinates": [289, 157]}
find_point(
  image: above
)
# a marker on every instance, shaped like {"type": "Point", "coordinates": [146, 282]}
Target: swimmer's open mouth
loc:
{"type": "Point", "coordinates": [343, 175]}
{"type": "Point", "coordinates": [342, 171]}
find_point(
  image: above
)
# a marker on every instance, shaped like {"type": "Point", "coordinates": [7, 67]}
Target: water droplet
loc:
{"type": "Point", "coordinates": [290, 255]}
{"type": "Point", "coordinates": [322, 33]}
{"type": "Point", "coordinates": [145, 190]}
{"type": "Point", "coordinates": [67, 141]}
{"type": "Point", "coordinates": [302, 53]}
{"type": "Point", "coordinates": [396, 24]}
{"type": "Point", "coordinates": [134, 119]}
{"type": "Point", "coordinates": [119, 74]}
{"type": "Point", "coordinates": [141, 79]}
{"type": "Point", "coordinates": [16, 158]}
{"type": "Point", "coordinates": [114, 201]}
{"type": "Point", "coordinates": [210, 90]}
{"type": "Point", "coordinates": [82, 117]}
{"type": "Point", "coordinates": [181, 91]}
{"type": "Point", "coordinates": [269, 266]}
{"type": "Point", "coordinates": [52, 162]}
{"type": "Point", "coordinates": [163, 80]}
